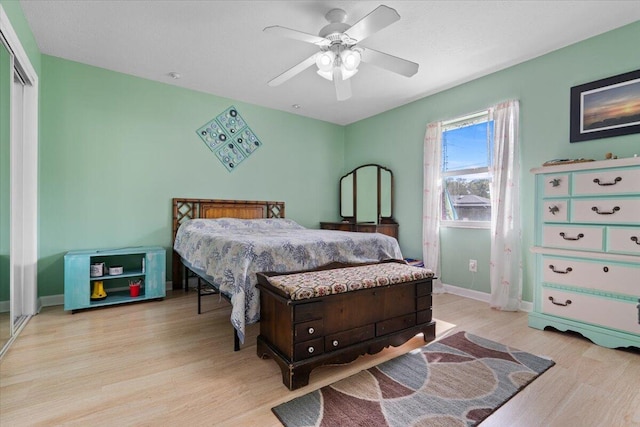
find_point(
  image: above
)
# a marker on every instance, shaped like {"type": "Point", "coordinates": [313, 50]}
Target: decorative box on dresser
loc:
{"type": "Point", "coordinates": [587, 249]}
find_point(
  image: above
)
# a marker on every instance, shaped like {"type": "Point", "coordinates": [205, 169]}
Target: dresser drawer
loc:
{"type": "Point", "coordinates": [555, 211]}
{"type": "Point", "coordinates": [605, 276]}
{"type": "Point", "coordinates": [616, 314]}
{"type": "Point", "coordinates": [556, 185]}
{"type": "Point", "coordinates": [579, 238]}
{"type": "Point", "coordinates": [623, 240]}
{"type": "Point", "coordinates": [352, 336]}
{"type": "Point", "coordinates": [621, 181]}
{"type": "Point", "coordinates": [608, 211]}
{"type": "Point", "coordinates": [307, 330]}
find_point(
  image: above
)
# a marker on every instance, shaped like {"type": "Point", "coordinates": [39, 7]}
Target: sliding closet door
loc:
{"type": "Point", "coordinates": [6, 78]}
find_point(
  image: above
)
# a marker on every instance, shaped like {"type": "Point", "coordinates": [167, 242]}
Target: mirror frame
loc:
{"type": "Point", "coordinates": [353, 175]}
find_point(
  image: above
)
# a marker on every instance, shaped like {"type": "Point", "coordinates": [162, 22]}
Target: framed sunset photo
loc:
{"type": "Point", "coordinates": [606, 108]}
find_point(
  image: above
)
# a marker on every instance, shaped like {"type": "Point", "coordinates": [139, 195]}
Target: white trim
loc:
{"type": "Point", "coordinates": [480, 296]}
{"type": "Point", "coordinates": [465, 224]}
{"type": "Point", "coordinates": [24, 186]}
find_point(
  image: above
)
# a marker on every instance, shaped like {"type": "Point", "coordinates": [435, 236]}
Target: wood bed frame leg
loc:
{"type": "Point", "coordinates": [176, 271]}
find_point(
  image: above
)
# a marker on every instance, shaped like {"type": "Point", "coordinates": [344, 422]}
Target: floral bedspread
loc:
{"type": "Point", "coordinates": [231, 251]}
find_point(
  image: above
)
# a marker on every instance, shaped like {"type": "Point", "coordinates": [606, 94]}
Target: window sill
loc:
{"type": "Point", "coordinates": [466, 224]}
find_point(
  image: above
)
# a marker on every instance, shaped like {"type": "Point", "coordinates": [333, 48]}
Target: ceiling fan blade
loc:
{"type": "Point", "coordinates": [389, 62]}
{"type": "Point", "coordinates": [297, 35]}
{"type": "Point", "coordinates": [379, 18]}
{"type": "Point", "coordinates": [296, 69]}
{"type": "Point", "coordinates": [343, 87]}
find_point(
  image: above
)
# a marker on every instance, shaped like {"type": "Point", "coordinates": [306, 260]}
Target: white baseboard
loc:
{"type": "Point", "coordinates": [480, 296]}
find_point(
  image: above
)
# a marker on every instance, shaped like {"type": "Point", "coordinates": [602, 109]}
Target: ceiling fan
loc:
{"type": "Point", "coordinates": [340, 50]}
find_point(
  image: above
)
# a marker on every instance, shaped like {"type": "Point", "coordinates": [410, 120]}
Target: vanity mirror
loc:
{"type": "Point", "coordinates": [366, 201]}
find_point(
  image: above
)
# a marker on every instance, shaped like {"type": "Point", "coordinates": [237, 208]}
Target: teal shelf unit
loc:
{"type": "Point", "coordinates": [142, 262]}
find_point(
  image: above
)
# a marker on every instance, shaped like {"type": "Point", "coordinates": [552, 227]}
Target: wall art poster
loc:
{"type": "Point", "coordinates": [606, 108]}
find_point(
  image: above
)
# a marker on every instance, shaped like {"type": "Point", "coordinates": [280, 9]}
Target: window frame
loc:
{"type": "Point", "coordinates": [459, 122]}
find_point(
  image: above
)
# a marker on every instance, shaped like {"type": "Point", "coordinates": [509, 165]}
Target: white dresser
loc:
{"type": "Point", "coordinates": [587, 249]}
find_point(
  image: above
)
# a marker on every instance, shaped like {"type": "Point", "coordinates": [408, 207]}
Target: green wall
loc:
{"type": "Point", "coordinates": [395, 139]}
{"type": "Point", "coordinates": [114, 150]}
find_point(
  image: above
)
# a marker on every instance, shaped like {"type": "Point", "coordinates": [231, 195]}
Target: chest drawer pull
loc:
{"type": "Point", "coordinates": [605, 269]}
{"type": "Point", "coordinates": [555, 182]}
{"type": "Point", "coordinates": [611, 212]}
{"type": "Point", "coordinates": [568, 270]}
{"type": "Point", "coordinates": [311, 331]}
{"type": "Point", "coordinates": [554, 209]}
{"type": "Point", "coordinates": [335, 343]}
{"type": "Point", "coordinates": [638, 306]}
{"type": "Point", "coordinates": [602, 184]}
{"type": "Point", "coordinates": [566, 303]}
{"type": "Point", "coordinates": [311, 349]}
{"type": "Point", "coordinates": [635, 239]}
{"type": "Point", "coordinates": [578, 237]}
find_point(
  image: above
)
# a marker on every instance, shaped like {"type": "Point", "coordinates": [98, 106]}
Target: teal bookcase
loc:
{"type": "Point", "coordinates": [143, 263]}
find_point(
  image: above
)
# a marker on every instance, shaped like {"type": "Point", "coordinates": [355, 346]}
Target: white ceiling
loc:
{"type": "Point", "coordinates": [219, 47]}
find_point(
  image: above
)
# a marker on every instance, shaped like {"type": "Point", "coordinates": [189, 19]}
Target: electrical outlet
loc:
{"type": "Point", "coordinates": [473, 265]}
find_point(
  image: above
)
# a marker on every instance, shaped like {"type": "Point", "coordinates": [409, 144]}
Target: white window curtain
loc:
{"type": "Point", "coordinates": [506, 261]}
{"type": "Point", "coordinates": [432, 188]}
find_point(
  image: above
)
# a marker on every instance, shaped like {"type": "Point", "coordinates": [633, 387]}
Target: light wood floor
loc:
{"type": "Point", "coordinates": [161, 364]}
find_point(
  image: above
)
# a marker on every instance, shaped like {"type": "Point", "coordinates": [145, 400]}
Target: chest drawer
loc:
{"type": "Point", "coordinates": [580, 238]}
{"type": "Point", "coordinates": [307, 349]}
{"type": "Point", "coordinates": [623, 240]}
{"type": "Point", "coordinates": [343, 339]}
{"type": "Point", "coordinates": [609, 211]}
{"type": "Point", "coordinates": [616, 314]}
{"type": "Point", "coordinates": [307, 330]}
{"type": "Point", "coordinates": [608, 277]}
{"type": "Point", "coordinates": [604, 182]}
{"type": "Point", "coordinates": [395, 324]}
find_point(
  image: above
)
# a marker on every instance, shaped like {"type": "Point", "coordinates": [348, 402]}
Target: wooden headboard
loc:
{"type": "Point", "coordinates": [186, 209]}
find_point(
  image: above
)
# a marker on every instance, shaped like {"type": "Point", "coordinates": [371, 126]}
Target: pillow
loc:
{"type": "Point", "coordinates": [236, 223]}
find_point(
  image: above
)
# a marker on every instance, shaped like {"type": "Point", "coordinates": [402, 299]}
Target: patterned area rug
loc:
{"type": "Point", "coordinates": [457, 381]}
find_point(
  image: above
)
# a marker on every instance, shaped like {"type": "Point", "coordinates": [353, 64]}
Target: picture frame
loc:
{"type": "Point", "coordinates": [606, 108]}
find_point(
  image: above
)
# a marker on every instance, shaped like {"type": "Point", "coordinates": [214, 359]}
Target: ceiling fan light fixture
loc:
{"type": "Point", "coordinates": [347, 74]}
{"type": "Point", "coordinates": [325, 60]}
{"type": "Point", "coordinates": [350, 59]}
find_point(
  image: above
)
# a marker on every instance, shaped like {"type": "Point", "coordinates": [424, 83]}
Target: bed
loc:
{"type": "Point", "coordinates": [226, 242]}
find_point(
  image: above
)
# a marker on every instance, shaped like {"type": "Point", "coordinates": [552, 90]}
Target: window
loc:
{"type": "Point", "coordinates": [467, 155]}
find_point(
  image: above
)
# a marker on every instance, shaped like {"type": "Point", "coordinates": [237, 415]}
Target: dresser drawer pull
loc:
{"type": "Point", "coordinates": [638, 306]}
{"type": "Point", "coordinates": [311, 331]}
{"type": "Point", "coordinates": [311, 349]}
{"type": "Point", "coordinates": [635, 239]}
{"type": "Point", "coordinates": [611, 212]}
{"type": "Point", "coordinates": [568, 270]}
{"type": "Point", "coordinates": [578, 237]}
{"type": "Point", "coordinates": [559, 303]}
{"type": "Point", "coordinates": [555, 182]}
{"type": "Point", "coordinates": [605, 269]}
{"type": "Point", "coordinates": [602, 184]}
{"type": "Point", "coordinates": [335, 343]}
{"type": "Point", "coordinates": [554, 209]}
